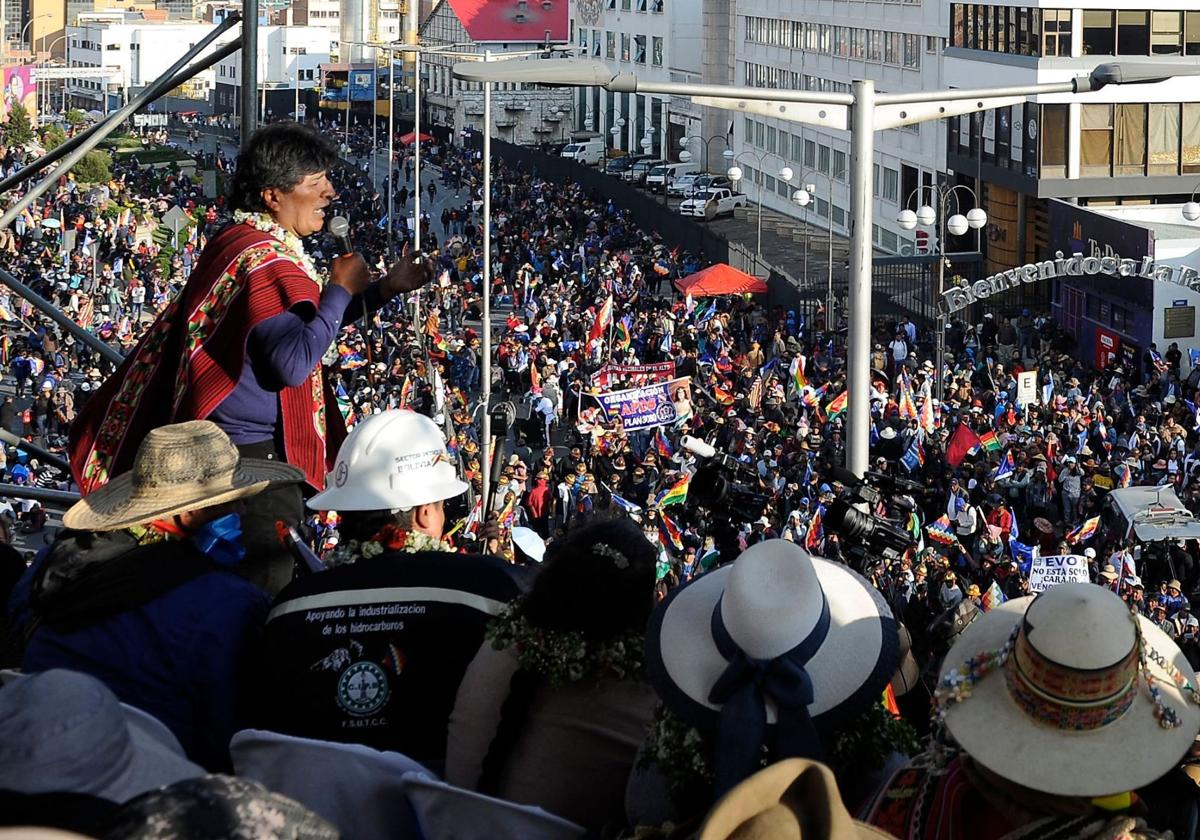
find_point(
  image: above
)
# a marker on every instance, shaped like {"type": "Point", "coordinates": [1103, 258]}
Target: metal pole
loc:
{"type": "Point", "coordinates": [940, 343]}
{"type": "Point", "coordinates": [806, 230]}
{"type": "Point", "coordinates": [758, 244]}
{"type": "Point", "coordinates": [39, 494]}
{"type": "Point", "coordinates": [485, 435]}
{"type": "Point", "coordinates": [829, 322]}
{"type": "Point", "coordinates": [391, 211]}
{"type": "Point", "coordinates": [34, 450]}
{"type": "Point", "coordinates": [417, 151]}
{"type": "Point", "coordinates": [249, 89]}
{"type": "Point", "coordinates": [858, 337]}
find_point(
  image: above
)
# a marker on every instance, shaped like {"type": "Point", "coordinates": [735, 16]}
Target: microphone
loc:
{"type": "Point", "coordinates": [697, 446]}
{"type": "Point", "coordinates": [339, 228]}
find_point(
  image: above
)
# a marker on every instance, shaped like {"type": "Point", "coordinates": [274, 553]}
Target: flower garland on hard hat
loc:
{"type": "Point", "coordinates": [265, 223]}
{"type": "Point", "coordinates": [389, 538]}
{"type": "Point", "coordinates": [564, 656]}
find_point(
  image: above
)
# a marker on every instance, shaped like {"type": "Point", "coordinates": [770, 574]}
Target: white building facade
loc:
{"type": "Point", "coordinates": [289, 64]}
{"type": "Point", "coordinates": [635, 36]}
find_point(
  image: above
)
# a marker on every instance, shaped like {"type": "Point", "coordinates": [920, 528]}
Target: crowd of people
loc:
{"type": "Point", "coordinates": [629, 630]}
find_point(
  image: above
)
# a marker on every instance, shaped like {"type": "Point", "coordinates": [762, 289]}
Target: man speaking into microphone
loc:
{"type": "Point", "coordinates": [242, 342]}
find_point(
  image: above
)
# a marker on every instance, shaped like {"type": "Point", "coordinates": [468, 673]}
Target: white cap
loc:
{"type": "Point", "coordinates": [391, 460]}
{"type": "Point", "coordinates": [1089, 553]}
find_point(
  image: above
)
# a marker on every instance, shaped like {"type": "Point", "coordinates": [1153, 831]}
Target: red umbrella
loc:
{"type": "Point", "coordinates": [411, 137]}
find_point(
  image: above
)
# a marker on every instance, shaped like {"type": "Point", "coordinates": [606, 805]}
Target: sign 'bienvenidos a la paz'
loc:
{"type": "Point", "coordinates": [1076, 265]}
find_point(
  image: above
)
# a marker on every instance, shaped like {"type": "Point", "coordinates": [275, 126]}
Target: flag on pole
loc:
{"type": "Point", "coordinates": [1007, 465]}
{"type": "Point", "coordinates": [661, 444]}
{"type": "Point", "coordinates": [941, 532]}
{"type": "Point", "coordinates": [837, 405]}
{"type": "Point", "coordinates": [1085, 531]}
{"type": "Point", "coordinates": [989, 441]}
{"type": "Point", "coordinates": [723, 396]}
{"type": "Point", "coordinates": [1048, 388]}
{"type": "Point", "coordinates": [907, 407]}
{"type": "Point", "coordinates": [669, 533]}
{"type": "Point", "coordinates": [962, 442]}
{"type": "Point", "coordinates": [674, 495]}
{"type": "Point", "coordinates": [474, 518]}
{"type": "Point", "coordinates": [993, 597]}
{"type": "Point", "coordinates": [690, 304]}
{"type": "Point", "coordinates": [603, 319]}
{"type": "Point", "coordinates": [927, 420]}
{"type": "Point", "coordinates": [914, 457]}
{"type": "Point", "coordinates": [816, 531]}
{"type": "Point", "coordinates": [1126, 478]}
{"type": "Point", "coordinates": [625, 504]}
{"type": "Point", "coordinates": [797, 371]}
{"type": "Point", "coordinates": [623, 338]}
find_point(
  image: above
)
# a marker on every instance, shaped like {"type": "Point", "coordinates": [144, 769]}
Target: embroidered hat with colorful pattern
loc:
{"type": "Point", "coordinates": [1069, 693]}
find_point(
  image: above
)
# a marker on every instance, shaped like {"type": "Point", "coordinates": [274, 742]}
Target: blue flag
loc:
{"type": "Point", "coordinates": [1022, 554]}
{"type": "Point", "coordinates": [1006, 465]}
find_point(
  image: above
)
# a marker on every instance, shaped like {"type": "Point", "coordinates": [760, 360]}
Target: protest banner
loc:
{"type": "Point", "coordinates": [1055, 569]}
{"type": "Point", "coordinates": [638, 374]}
{"type": "Point", "coordinates": [644, 408]}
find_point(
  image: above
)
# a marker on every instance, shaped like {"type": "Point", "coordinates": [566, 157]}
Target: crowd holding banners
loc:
{"type": "Point", "coordinates": [990, 483]}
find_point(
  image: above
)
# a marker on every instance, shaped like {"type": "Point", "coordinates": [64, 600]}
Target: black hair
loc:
{"type": "Point", "coordinates": [598, 581]}
{"type": "Point", "coordinates": [280, 156]}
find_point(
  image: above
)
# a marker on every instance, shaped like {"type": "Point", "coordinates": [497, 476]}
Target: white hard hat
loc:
{"type": "Point", "coordinates": [1089, 553]}
{"type": "Point", "coordinates": [391, 460]}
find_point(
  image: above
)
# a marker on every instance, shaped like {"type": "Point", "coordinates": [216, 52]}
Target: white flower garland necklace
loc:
{"type": "Point", "coordinates": [265, 223]}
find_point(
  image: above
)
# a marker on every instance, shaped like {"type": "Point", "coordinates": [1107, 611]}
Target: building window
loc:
{"type": "Point", "coordinates": [839, 164]}
{"type": "Point", "coordinates": [657, 51]}
{"type": "Point", "coordinates": [1099, 37]}
{"type": "Point", "coordinates": [639, 49]}
{"type": "Point", "coordinates": [1166, 31]}
{"type": "Point", "coordinates": [656, 7]}
{"type": "Point", "coordinates": [891, 185]}
{"type": "Point", "coordinates": [1133, 32]}
{"type": "Point", "coordinates": [1054, 141]}
{"type": "Point", "coordinates": [626, 5]}
{"type": "Point", "coordinates": [759, 133]}
{"type": "Point", "coordinates": [771, 132]}
{"type": "Point", "coordinates": [1056, 31]}
{"type": "Point", "coordinates": [1164, 139]}
{"type": "Point", "coordinates": [610, 45]}
{"type": "Point", "coordinates": [1130, 137]}
{"type": "Point", "coordinates": [823, 159]}
{"type": "Point", "coordinates": [1191, 138]}
{"type": "Point", "coordinates": [748, 130]}
{"type": "Point", "coordinates": [810, 153]}
{"type": "Point", "coordinates": [625, 52]}
{"type": "Point", "coordinates": [1191, 33]}
{"type": "Point", "coordinates": [1095, 140]}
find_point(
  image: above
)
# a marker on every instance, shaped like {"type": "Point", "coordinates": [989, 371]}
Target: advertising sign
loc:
{"type": "Point", "coordinates": [644, 408]}
{"type": "Point", "coordinates": [1108, 347]}
{"type": "Point", "coordinates": [19, 89]}
{"type": "Point", "coordinates": [1055, 569]}
{"type": "Point", "coordinates": [362, 85]}
{"type": "Point", "coordinates": [639, 374]}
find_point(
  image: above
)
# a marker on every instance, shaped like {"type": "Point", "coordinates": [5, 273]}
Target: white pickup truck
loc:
{"type": "Point", "coordinates": [712, 203]}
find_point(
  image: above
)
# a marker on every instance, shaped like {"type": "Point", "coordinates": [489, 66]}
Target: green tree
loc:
{"type": "Point", "coordinates": [76, 117]}
{"type": "Point", "coordinates": [53, 136]}
{"type": "Point", "coordinates": [18, 131]}
{"type": "Point", "coordinates": [93, 168]}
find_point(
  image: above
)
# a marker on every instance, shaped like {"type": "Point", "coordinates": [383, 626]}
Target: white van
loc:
{"type": "Point", "coordinates": [661, 176]}
{"type": "Point", "coordinates": [589, 152]}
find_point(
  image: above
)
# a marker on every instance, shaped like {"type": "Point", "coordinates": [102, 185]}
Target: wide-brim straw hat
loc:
{"type": "Point", "coordinates": [796, 798]}
{"type": "Point", "coordinates": [181, 467]}
{"type": "Point", "coordinates": [1068, 712]}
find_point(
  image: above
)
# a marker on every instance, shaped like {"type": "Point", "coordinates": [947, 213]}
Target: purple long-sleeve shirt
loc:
{"type": "Point", "coordinates": [280, 353]}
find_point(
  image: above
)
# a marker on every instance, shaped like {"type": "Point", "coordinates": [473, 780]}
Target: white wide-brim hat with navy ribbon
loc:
{"type": "Point", "coordinates": [772, 648]}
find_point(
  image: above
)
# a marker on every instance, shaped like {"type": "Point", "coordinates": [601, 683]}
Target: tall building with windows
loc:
{"type": "Point", "coordinates": [658, 40]}
{"type": "Point", "coordinates": [1121, 145]}
{"type": "Point", "coordinates": [824, 45]}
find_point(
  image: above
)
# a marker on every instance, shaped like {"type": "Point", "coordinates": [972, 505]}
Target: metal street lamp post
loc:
{"type": "Point", "coordinates": [803, 197]}
{"type": "Point", "coordinates": [957, 224]}
{"type": "Point", "coordinates": [862, 112]}
{"type": "Point", "coordinates": [735, 174]}
{"type": "Point", "coordinates": [683, 144]}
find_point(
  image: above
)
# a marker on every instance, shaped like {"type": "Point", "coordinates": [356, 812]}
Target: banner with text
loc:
{"type": "Point", "coordinates": [637, 374]}
{"type": "Point", "coordinates": [644, 408]}
{"type": "Point", "coordinates": [1055, 569]}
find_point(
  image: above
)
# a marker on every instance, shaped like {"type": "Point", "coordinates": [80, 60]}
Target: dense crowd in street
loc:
{"type": "Point", "coordinates": [617, 538]}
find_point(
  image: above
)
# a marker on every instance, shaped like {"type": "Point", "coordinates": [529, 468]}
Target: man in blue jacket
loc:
{"type": "Point", "coordinates": [142, 591]}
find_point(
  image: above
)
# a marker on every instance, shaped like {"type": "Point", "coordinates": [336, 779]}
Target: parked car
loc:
{"type": "Point", "coordinates": [713, 182]}
{"type": "Point", "coordinates": [685, 185]}
{"type": "Point", "coordinates": [621, 164]}
{"type": "Point", "coordinates": [638, 172]}
{"type": "Point", "coordinates": [712, 203]}
{"type": "Point", "coordinates": [661, 176]}
{"type": "Point", "coordinates": [589, 152]}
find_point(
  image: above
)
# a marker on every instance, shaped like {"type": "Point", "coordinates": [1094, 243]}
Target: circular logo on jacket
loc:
{"type": "Point", "coordinates": [362, 689]}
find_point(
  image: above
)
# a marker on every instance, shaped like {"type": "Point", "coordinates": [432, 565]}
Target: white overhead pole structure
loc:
{"type": "Point", "coordinates": [862, 112]}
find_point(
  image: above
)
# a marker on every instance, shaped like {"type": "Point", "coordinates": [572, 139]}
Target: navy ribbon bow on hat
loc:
{"type": "Point", "coordinates": [742, 691]}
